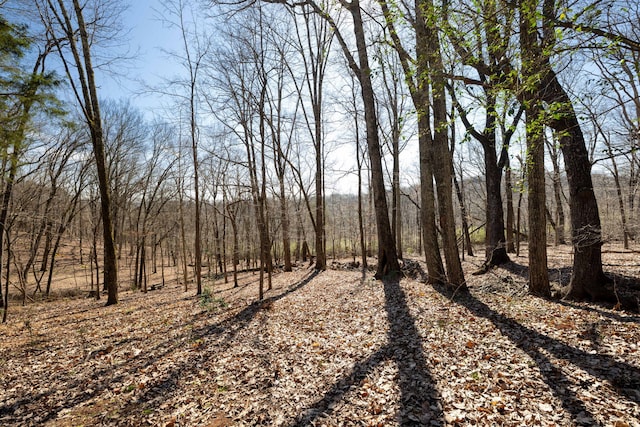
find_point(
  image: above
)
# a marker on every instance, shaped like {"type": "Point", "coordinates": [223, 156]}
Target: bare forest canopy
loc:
{"type": "Point", "coordinates": [443, 124]}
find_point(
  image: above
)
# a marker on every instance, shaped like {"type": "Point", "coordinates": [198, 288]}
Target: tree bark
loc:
{"type": "Point", "coordinates": [495, 244]}
{"type": "Point", "coordinates": [387, 255]}
{"type": "Point", "coordinates": [418, 83]}
{"type": "Point", "coordinates": [538, 273]}
{"type": "Point", "coordinates": [4, 213]}
{"type": "Point", "coordinates": [510, 214]}
{"type": "Point", "coordinates": [442, 162]}
{"type": "Point", "coordinates": [587, 279]}
{"type": "Point", "coordinates": [88, 98]}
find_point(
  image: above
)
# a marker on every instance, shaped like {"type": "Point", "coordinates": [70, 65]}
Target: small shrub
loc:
{"type": "Point", "coordinates": [210, 302]}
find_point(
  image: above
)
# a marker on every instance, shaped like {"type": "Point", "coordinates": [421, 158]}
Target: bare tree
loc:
{"type": "Point", "coordinates": [196, 46]}
{"type": "Point", "coordinates": [313, 44]}
{"type": "Point", "coordinates": [242, 76]}
{"type": "Point", "coordinates": [392, 102]}
{"type": "Point", "coordinates": [78, 180]}
{"type": "Point", "coordinates": [152, 197]}
{"type": "Point", "coordinates": [359, 65]}
{"type": "Point", "coordinates": [427, 87]}
{"type": "Point", "coordinates": [619, 84]}
{"type": "Point", "coordinates": [73, 37]}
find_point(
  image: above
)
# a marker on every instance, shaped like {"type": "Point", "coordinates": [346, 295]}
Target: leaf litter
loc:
{"type": "Point", "coordinates": [335, 348]}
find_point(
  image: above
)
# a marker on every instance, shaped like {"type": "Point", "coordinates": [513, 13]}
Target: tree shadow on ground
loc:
{"type": "Point", "coordinates": [626, 288]}
{"type": "Point", "coordinates": [238, 322]}
{"type": "Point", "coordinates": [516, 269]}
{"type": "Point", "coordinates": [229, 328]}
{"type": "Point", "coordinates": [419, 399]}
{"type": "Point", "coordinates": [561, 275]}
{"type": "Point", "coordinates": [601, 312]}
{"type": "Point", "coordinates": [623, 377]}
{"type": "Point", "coordinates": [103, 378]}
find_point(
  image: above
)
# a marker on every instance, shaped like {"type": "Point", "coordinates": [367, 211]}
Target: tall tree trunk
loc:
{"type": "Point", "coordinates": [387, 255]}
{"type": "Point", "coordinates": [510, 214]}
{"type": "Point", "coordinates": [196, 195]}
{"type": "Point", "coordinates": [4, 213]}
{"type": "Point", "coordinates": [95, 124]}
{"type": "Point", "coordinates": [538, 273]}
{"type": "Point", "coordinates": [435, 268]}
{"type": "Point", "coordinates": [587, 280]}
{"type": "Point", "coordinates": [419, 83]}
{"type": "Point", "coordinates": [427, 145]}
{"type": "Point", "coordinates": [88, 98]}
{"type": "Point", "coordinates": [495, 245]}
{"type": "Point", "coordinates": [442, 162]}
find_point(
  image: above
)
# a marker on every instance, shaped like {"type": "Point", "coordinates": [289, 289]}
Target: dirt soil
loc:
{"type": "Point", "coordinates": [334, 348]}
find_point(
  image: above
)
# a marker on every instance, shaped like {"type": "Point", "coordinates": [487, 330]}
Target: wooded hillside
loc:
{"type": "Point", "coordinates": [334, 348]}
{"type": "Point", "coordinates": [319, 212]}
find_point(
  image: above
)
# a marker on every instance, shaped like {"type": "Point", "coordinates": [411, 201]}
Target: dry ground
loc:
{"type": "Point", "coordinates": [336, 348]}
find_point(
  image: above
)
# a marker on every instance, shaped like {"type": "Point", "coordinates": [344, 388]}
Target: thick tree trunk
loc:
{"type": "Point", "coordinates": [495, 245]}
{"type": "Point", "coordinates": [435, 268]}
{"type": "Point", "coordinates": [110, 260]}
{"type": "Point", "coordinates": [387, 255]}
{"type": "Point", "coordinates": [587, 280]}
{"type": "Point", "coordinates": [538, 272]}
{"type": "Point", "coordinates": [421, 99]}
{"type": "Point", "coordinates": [418, 81]}
{"type": "Point", "coordinates": [443, 167]}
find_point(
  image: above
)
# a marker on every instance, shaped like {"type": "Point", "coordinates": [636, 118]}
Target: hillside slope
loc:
{"type": "Point", "coordinates": [334, 348]}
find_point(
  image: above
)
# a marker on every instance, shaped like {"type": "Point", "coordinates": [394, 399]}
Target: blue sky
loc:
{"type": "Point", "coordinates": [147, 37]}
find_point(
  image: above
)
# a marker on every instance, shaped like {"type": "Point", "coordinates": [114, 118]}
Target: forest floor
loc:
{"type": "Point", "coordinates": [334, 348]}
